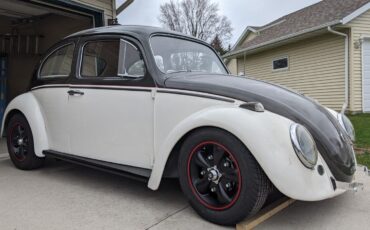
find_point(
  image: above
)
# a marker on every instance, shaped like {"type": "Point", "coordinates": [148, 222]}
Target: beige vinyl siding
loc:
{"type": "Point", "coordinates": [359, 27]}
{"type": "Point", "coordinates": [240, 66]}
{"type": "Point", "coordinates": [106, 5]}
{"type": "Point", "coordinates": [232, 66]}
{"type": "Point", "coordinates": [316, 68]}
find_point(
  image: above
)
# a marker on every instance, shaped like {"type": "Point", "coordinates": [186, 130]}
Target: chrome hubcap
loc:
{"type": "Point", "coordinates": [20, 141]}
{"type": "Point", "coordinates": [214, 175]}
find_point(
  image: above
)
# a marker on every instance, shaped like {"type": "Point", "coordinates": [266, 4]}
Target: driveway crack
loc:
{"type": "Point", "coordinates": [170, 215]}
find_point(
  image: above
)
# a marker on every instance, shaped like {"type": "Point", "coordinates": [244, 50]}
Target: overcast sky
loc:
{"type": "Point", "coordinates": [242, 13]}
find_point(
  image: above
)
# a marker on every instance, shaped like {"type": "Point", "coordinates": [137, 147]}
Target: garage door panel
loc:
{"type": "Point", "coordinates": [366, 75]}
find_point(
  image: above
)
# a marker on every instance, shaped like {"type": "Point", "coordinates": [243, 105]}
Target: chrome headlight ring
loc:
{"type": "Point", "coordinates": [304, 145]}
{"type": "Point", "coordinates": [347, 126]}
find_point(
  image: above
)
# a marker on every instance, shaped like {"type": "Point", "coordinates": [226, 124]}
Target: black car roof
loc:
{"type": "Point", "coordinates": [142, 31]}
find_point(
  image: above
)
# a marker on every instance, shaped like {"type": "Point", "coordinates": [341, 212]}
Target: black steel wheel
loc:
{"type": "Point", "coordinates": [214, 176]}
{"type": "Point", "coordinates": [20, 144]}
{"type": "Point", "coordinates": [220, 177]}
{"type": "Point", "coordinates": [19, 141]}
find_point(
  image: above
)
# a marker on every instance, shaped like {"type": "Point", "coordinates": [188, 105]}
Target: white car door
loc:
{"type": "Point", "coordinates": [110, 104]}
{"type": "Point", "coordinates": [52, 94]}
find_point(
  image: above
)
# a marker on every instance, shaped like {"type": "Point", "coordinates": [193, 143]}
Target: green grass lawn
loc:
{"type": "Point", "coordinates": [364, 159]}
{"type": "Point", "coordinates": [361, 122]}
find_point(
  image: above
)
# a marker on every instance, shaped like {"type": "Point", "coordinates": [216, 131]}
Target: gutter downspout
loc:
{"type": "Point", "coordinates": [244, 74]}
{"type": "Point", "coordinates": [346, 57]}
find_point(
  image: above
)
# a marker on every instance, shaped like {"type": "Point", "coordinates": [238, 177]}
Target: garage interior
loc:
{"type": "Point", "coordinates": [27, 30]}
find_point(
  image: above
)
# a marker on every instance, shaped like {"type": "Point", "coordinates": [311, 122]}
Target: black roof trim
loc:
{"type": "Point", "coordinates": [139, 30]}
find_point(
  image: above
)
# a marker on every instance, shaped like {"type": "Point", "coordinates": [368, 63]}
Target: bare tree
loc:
{"type": "Point", "coordinates": [199, 18]}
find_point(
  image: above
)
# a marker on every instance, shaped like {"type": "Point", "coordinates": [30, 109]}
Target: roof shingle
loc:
{"type": "Point", "coordinates": [321, 13]}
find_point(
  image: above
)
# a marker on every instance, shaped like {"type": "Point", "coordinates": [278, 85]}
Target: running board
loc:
{"type": "Point", "coordinates": [131, 172]}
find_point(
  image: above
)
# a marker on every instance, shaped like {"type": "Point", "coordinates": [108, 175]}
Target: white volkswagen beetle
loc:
{"type": "Point", "coordinates": [148, 103]}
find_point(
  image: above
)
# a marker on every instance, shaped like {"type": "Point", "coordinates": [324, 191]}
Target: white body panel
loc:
{"type": "Point", "coordinates": [54, 105]}
{"type": "Point", "coordinates": [366, 75]}
{"type": "Point", "coordinates": [112, 125]}
{"type": "Point", "coordinates": [265, 134]}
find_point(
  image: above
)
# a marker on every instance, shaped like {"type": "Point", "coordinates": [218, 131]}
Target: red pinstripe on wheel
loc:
{"type": "Point", "coordinates": [194, 190]}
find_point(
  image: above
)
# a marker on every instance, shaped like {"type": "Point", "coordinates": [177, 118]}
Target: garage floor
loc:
{"type": "Point", "coordinates": [66, 196]}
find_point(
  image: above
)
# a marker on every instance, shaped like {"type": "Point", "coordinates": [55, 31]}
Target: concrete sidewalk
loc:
{"type": "Point", "coordinates": [66, 196]}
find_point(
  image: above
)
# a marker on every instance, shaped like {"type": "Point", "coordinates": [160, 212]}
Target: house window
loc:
{"type": "Point", "coordinates": [280, 64]}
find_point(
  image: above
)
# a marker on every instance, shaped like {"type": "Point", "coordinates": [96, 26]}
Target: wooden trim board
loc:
{"type": "Point", "coordinates": [265, 214]}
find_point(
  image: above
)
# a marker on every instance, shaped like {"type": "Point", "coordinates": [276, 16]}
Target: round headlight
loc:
{"type": "Point", "coordinates": [304, 145]}
{"type": "Point", "coordinates": [347, 126]}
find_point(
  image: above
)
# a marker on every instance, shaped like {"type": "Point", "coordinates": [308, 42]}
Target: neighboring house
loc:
{"type": "Point", "coordinates": [322, 51]}
{"type": "Point", "coordinates": [29, 27]}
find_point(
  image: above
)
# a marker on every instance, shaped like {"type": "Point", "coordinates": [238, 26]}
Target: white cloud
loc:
{"type": "Point", "coordinates": [242, 13]}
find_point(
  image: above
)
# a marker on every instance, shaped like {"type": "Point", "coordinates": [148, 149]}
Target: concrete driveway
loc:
{"type": "Point", "coordinates": [66, 196]}
{"type": "Point", "coordinates": [348, 211]}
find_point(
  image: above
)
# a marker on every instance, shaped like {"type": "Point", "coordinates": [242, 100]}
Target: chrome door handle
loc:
{"type": "Point", "coordinates": [75, 92]}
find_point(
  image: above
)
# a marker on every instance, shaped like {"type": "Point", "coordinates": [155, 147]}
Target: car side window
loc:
{"type": "Point", "coordinates": [59, 63]}
{"type": "Point", "coordinates": [112, 59]}
{"type": "Point", "coordinates": [100, 59]}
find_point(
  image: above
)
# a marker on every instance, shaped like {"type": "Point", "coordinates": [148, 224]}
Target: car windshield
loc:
{"type": "Point", "coordinates": [173, 55]}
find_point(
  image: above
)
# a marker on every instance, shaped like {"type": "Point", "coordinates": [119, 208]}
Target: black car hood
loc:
{"type": "Point", "coordinates": [331, 140]}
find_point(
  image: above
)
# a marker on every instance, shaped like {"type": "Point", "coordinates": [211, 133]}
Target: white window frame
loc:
{"type": "Point", "coordinates": [281, 69]}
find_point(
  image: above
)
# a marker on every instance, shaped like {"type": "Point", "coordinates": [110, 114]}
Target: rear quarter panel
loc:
{"type": "Point", "coordinates": [30, 108]}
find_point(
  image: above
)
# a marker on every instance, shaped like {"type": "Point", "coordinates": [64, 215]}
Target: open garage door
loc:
{"type": "Point", "coordinates": [366, 75]}
{"type": "Point", "coordinates": [29, 28]}
{"type": "Point", "coordinates": [3, 71]}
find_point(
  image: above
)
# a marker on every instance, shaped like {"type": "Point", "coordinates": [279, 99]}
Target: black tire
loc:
{"type": "Point", "coordinates": [246, 199]}
{"type": "Point", "coordinates": [20, 144]}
